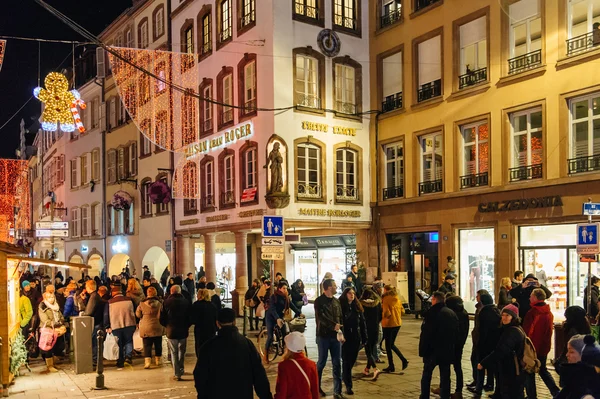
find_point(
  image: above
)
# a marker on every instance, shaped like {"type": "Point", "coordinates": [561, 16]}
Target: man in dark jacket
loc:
{"type": "Point", "coordinates": [146, 275]}
{"type": "Point", "coordinates": [487, 323]}
{"type": "Point", "coordinates": [175, 317]}
{"type": "Point", "coordinates": [190, 286]}
{"type": "Point", "coordinates": [229, 366]}
{"type": "Point", "coordinates": [448, 286]}
{"type": "Point", "coordinates": [95, 309]}
{"type": "Point", "coordinates": [455, 303]}
{"type": "Point", "coordinates": [518, 279]}
{"type": "Point", "coordinates": [522, 293]}
{"type": "Point", "coordinates": [358, 284]}
{"type": "Point", "coordinates": [439, 334]}
{"type": "Point", "coordinates": [593, 311]}
{"type": "Point", "coordinates": [119, 319]}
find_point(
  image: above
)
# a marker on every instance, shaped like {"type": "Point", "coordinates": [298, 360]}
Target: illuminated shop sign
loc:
{"type": "Point", "coordinates": [520, 204]}
{"type": "Point", "coordinates": [226, 139]}
{"type": "Point", "coordinates": [322, 127]}
{"type": "Point", "coordinates": [336, 213]}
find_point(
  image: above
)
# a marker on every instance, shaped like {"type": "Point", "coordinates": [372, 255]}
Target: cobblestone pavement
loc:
{"type": "Point", "coordinates": [135, 382]}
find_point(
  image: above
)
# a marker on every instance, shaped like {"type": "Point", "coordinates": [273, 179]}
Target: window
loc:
{"type": "Point", "coordinates": [421, 4]}
{"type": "Point", "coordinates": [84, 170]}
{"type": "Point", "coordinates": [74, 173]}
{"type": "Point", "coordinates": [429, 54]}
{"type": "Point", "coordinates": [525, 36]}
{"type": "Point", "coordinates": [143, 34]}
{"type": "Point", "coordinates": [122, 162]}
{"type": "Point", "coordinates": [133, 159]}
{"type": "Point", "coordinates": [129, 39]}
{"type": "Point", "coordinates": [190, 190]}
{"type": "Point", "coordinates": [250, 166]}
{"type": "Point", "coordinates": [526, 142]}
{"type": "Point", "coordinates": [111, 166]}
{"type": "Point", "coordinates": [60, 172]}
{"type": "Point", "coordinates": [225, 96]}
{"type": "Point", "coordinates": [95, 113]}
{"type": "Point", "coordinates": [225, 28]}
{"type": "Point", "coordinates": [189, 40]}
{"type": "Point", "coordinates": [206, 34]}
{"type": "Point", "coordinates": [247, 14]}
{"type": "Point", "coordinates": [96, 219]}
{"type": "Point", "coordinates": [188, 119]}
{"type": "Point", "coordinates": [85, 221]}
{"type": "Point", "coordinates": [226, 163]}
{"type": "Point", "coordinates": [346, 174]}
{"type": "Point", "coordinates": [159, 22]}
{"type": "Point", "coordinates": [146, 146]}
{"type": "Point", "coordinates": [250, 87]}
{"type": "Point", "coordinates": [309, 81]}
{"type": "Point", "coordinates": [391, 73]}
{"type": "Point", "coordinates": [187, 45]}
{"type": "Point", "coordinates": [476, 154]}
{"type": "Point", "coordinates": [207, 107]}
{"type": "Point", "coordinates": [144, 94]}
{"type": "Point", "coordinates": [308, 9]}
{"type": "Point", "coordinates": [74, 222]}
{"type": "Point", "coordinates": [394, 171]}
{"type": "Point", "coordinates": [391, 12]}
{"type": "Point", "coordinates": [585, 134]}
{"type": "Point", "coordinates": [344, 14]}
{"type": "Point", "coordinates": [146, 201]}
{"type": "Point", "coordinates": [473, 52]}
{"type": "Point", "coordinates": [162, 208]}
{"type": "Point", "coordinates": [345, 94]}
{"type": "Point", "coordinates": [431, 163]}
{"type": "Point", "coordinates": [583, 17]}
{"type": "Point", "coordinates": [111, 220]}
{"type": "Point", "coordinates": [112, 114]}
{"type": "Point", "coordinates": [129, 220]}
{"type": "Point", "coordinates": [309, 171]}
{"type": "Point", "coordinates": [96, 165]}
{"type": "Point", "coordinates": [207, 169]}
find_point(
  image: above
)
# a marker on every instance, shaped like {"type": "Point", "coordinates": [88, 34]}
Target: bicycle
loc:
{"type": "Point", "coordinates": [277, 347]}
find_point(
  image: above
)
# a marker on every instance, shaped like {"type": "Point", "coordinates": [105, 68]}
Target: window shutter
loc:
{"type": "Point", "coordinates": [133, 156]}
{"type": "Point", "coordinates": [103, 117]}
{"type": "Point", "coordinates": [78, 172]}
{"type": "Point", "coordinates": [430, 66]}
{"type": "Point", "coordinates": [88, 166]}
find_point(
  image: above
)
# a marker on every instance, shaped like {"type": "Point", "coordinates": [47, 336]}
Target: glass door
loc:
{"type": "Point", "coordinates": [578, 278]}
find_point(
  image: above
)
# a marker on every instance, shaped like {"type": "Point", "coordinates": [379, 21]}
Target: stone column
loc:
{"type": "Point", "coordinates": [185, 265]}
{"type": "Point", "coordinates": [241, 271]}
{"type": "Point", "coordinates": [209, 257]}
{"type": "Point", "coordinates": [279, 267]}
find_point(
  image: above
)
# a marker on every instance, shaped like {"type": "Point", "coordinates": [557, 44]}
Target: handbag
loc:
{"type": "Point", "coordinates": [48, 338]}
{"type": "Point", "coordinates": [287, 315]}
{"type": "Point", "coordinates": [304, 299]}
{"type": "Point", "coordinates": [303, 373]}
{"type": "Point", "coordinates": [60, 331]}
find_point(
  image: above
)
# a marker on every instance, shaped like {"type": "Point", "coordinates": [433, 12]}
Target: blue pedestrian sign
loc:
{"type": "Point", "coordinates": [591, 209]}
{"type": "Point", "coordinates": [587, 238]}
{"type": "Point", "coordinates": [272, 226]}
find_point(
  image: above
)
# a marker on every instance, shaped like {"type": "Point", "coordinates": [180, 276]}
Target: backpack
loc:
{"type": "Point", "coordinates": [529, 362]}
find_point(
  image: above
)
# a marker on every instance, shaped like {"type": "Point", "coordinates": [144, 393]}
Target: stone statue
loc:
{"type": "Point", "coordinates": [276, 159]}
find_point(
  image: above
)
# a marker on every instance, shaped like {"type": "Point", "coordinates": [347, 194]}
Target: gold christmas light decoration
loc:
{"type": "Point", "coordinates": [14, 195]}
{"type": "Point", "coordinates": [60, 104]}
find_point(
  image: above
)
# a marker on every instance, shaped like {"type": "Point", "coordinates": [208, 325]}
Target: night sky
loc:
{"type": "Point", "coordinates": [19, 74]}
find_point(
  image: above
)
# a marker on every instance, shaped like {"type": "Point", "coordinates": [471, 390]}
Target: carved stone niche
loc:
{"type": "Point", "coordinates": [277, 173]}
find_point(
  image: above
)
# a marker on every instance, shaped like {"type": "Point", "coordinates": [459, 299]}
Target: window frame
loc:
{"type": "Point", "coordinates": [162, 209]}
{"type": "Point", "coordinates": [357, 151]}
{"type": "Point", "coordinates": [227, 198]}
{"type": "Point", "coordinates": [473, 123]}
{"type": "Point", "coordinates": [527, 132]}
{"type": "Point", "coordinates": [205, 128]}
{"type": "Point", "coordinates": [132, 158]}
{"type": "Point", "coordinates": [380, 78]}
{"type": "Point", "coordinates": [86, 220]}
{"type": "Point", "coordinates": [381, 14]}
{"type": "Point", "coordinates": [433, 132]}
{"type": "Point", "coordinates": [399, 164]}
{"type": "Point", "coordinates": [190, 205]}
{"type": "Point", "coordinates": [357, 16]}
{"type": "Point", "coordinates": [207, 165]}
{"type": "Point", "coordinates": [95, 172]}
{"type": "Point", "coordinates": [96, 219]}
{"type": "Point", "coordinates": [75, 222]}
{"type": "Point", "coordinates": [415, 65]}
{"type": "Point", "coordinates": [507, 54]}
{"type": "Point", "coordinates": [590, 118]}
{"type": "Point", "coordinates": [187, 46]}
{"type": "Point", "coordinates": [146, 202]}
{"type": "Point", "coordinates": [221, 77]}
{"type": "Point", "coordinates": [143, 25]}
{"type": "Point", "coordinates": [221, 41]}
{"type": "Point", "coordinates": [111, 164]}
{"type": "Point", "coordinates": [321, 80]}
{"type": "Point", "coordinates": [318, 20]}
{"type": "Point", "coordinates": [251, 111]}
{"type": "Point", "coordinates": [145, 147]}
{"type": "Point", "coordinates": [243, 27]}
{"type": "Point", "coordinates": [158, 15]}
{"type": "Point", "coordinates": [308, 142]}
{"type": "Point", "coordinates": [458, 56]}
{"type": "Point", "coordinates": [205, 34]}
{"type": "Point", "coordinates": [248, 147]}
{"type": "Point", "coordinates": [348, 62]}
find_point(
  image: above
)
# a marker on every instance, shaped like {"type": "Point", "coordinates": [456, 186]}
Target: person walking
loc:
{"type": "Point", "coordinates": [151, 331]}
{"type": "Point", "coordinates": [134, 292]}
{"type": "Point", "coordinates": [279, 304]}
{"type": "Point", "coordinates": [475, 339]}
{"type": "Point", "coordinates": [576, 323]}
{"type": "Point", "coordinates": [511, 378]}
{"type": "Point", "coordinates": [328, 315]}
{"type": "Point", "coordinates": [391, 322]}
{"type": "Point", "coordinates": [456, 304]}
{"type": "Point", "coordinates": [372, 311]}
{"type": "Point", "coordinates": [593, 309]}
{"type": "Point", "coordinates": [229, 365]}
{"type": "Point", "coordinates": [251, 301]}
{"type": "Point", "coordinates": [487, 323]}
{"type": "Point", "coordinates": [51, 317]}
{"type": "Point", "coordinates": [538, 326]}
{"type": "Point", "coordinates": [204, 318]}
{"type": "Point", "coordinates": [190, 286]}
{"type": "Point", "coordinates": [297, 376]}
{"type": "Point", "coordinates": [175, 317]}
{"type": "Point", "coordinates": [355, 333]}
{"type": "Point", "coordinates": [439, 333]}
{"type": "Point", "coordinates": [119, 319]}
{"type": "Point", "coordinates": [214, 297]}
{"type": "Point", "coordinates": [95, 308]}
{"type": "Point", "coordinates": [504, 297]}
{"type": "Point", "coordinates": [448, 286]}
{"type": "Point", "coordinates": [522, 293]}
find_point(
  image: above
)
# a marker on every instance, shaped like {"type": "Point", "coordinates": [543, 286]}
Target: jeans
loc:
{"type": "Point", "coordinates": [491, 373]}
{"type": "Point", "coordinates": [252, 316]}
{"type": "Point", "coordinates": [350, 350]}
{"type": "Point", "coordinates": [270, 332]}
{"type": "Point", "coordinates": [148, 342]}
{"type": "Point", "coordinates": [326, 345]}
{"type": "Point", "coordinates": [177, 348]}
{"type": "Point", "coordinates": [389, 335]}
{"type": "Point", "coordinates": [125, 341]}
{"type": "Point", "coordinates": [530, 387]}
{"type": "Point", "coordinates": [429, 364]}
{"type": "Point", "coordinates": [458, 369]}
{"type": "Point", "coordinates": [97, 328]}
{"type": "Point", "coordinates": [371, 352]}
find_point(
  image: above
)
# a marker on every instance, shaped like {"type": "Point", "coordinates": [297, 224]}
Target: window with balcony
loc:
{"type": "Point", "coordinates": [247, 13]}
{"type": "Point", "coordinates": [394, 171]}
{"type": "Point", "coordinates": [345, 15]}
{"type": "Point", "coordinates": [206, 24]}
{"type": "Point", "coordinates": [146, 201]}
{"type": "Point", "coordinates": [225, 96]}
{"type": "Point", "coordinates": [422, 4]}
{"type": "Point", "coordinates": [158, 20]}
{"type": "Point", "coordinates": [391, 12]}
{"type": "Point", "coordinates": [526, 144]}
{"type": "Point", "coordinates": [307, 86]}
{"type": "Point", "coordinates": [431, 163]}
{"type": "Point", "coordinates": [585, 134]}
{"type": "Point", "coordinates": [525, 36]}
{"type": "Point", "coordinates": [309, 171]}
{"type": "Point", "coordinates": [206, 106]}
{"type": "Point", "coordinates": [429, 70]}
{"type": "Point", "coordinates": [476, 154]}
{"type": "Point", "coordinates": [227, 179]}
{"type": "Point", "coordinates": [86, 221]}
{"type": "Point", "coordinates": [190, 190]}
{"type": "Point", "coordinates": [207, 170]}
{"type": "Point", "coordinates": [583, 26]}
{"type": "Point", "coordinates": [225, 22]}
{"type": "Point", "coordinates": [391, 74]}
{"type": "Point", "coordinates": [188, 119]}
{"type": "Point", "coordinates": [247, 84]}
{"type": "Point", "coordinates": [346, 174]}
{"type": "Point", "coordinates": [143, 34]}
{"type": "Point", "coordinates": [473, 53]}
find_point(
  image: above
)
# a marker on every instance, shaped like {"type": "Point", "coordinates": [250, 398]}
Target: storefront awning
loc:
{"type": "Point", "coordinates": [346, 241]}
{"type": "Point", "coordinates": [47, 262]}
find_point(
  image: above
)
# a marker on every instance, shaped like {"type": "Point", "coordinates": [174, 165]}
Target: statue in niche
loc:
{"type": "Point", "coordinates": [276, 160]}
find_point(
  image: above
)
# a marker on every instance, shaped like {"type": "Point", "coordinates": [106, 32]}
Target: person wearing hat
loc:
{"type": "Point", "coordinates": [580, 377]}
{"type": "Point", "coordinates": [511, 381]}
{"type": "Point", "coordinates": [146, 275]}
{"type": "Point", "coordinates": [229, 365]}
{"type": "Point", "coordinates": [297, 376]}
{"type": "Point", "coordinates": [119, 319]}
{"type": "Point", "coordinates": [448, 286]}
{"type": "Point", "coordinates": [522, 293]}
{"type": "Point", "coordinates": [576, 323]}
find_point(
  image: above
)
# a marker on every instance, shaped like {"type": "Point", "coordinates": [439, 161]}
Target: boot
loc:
{"type": "Point", "coordinates": [147, 362]}
{"type": "Point", "coordinates": [157, 360]}
{"type": "Point", "coordinates": [50, 365]}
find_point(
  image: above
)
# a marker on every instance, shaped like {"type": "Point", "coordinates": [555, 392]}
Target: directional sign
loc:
{"type": "Point", "coordinates": [267, 256]}
{"type": "Point", "coordinates": [52, 233]}
{"type": "Point", "coordinates": [52, 225]}
{"type": "Point", "coordinates": [272, 226]}
{"type": "Point", "coordinates": [272, 241]}
{"type": "Point", "coordinates": [587, 238]}
{"type": "Point", "coordinates": [591, 209]}
{"type": "Point", "coordinates": [272, 250]}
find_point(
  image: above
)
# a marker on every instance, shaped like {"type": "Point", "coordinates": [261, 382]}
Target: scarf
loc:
{"type": "Point", "coordinates": [55, 310]}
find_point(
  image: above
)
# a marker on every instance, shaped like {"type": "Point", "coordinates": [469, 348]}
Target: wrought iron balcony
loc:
{"type": "Point", "coordinates": [584, 164]}
{"type": "Point", "coordinates": [249, 106]}
{"type": "Point", "coordinates": [227, 116]}
{"type": "Point", "coordinates": [392, 102]}
{"type": "Point", "coordinates": [308, 101]}
{"type": "Point", "coordinates": [474, 180]}
{"type": "Point", "coordinates": [420, 4]}
{"type": "Point", "coordinates": [393, 192]}
{"type": "Point", "coordinates": [526, 172]}
{"type": "Point", "coordinates": [225, 34]}
{"type": "Point", "coordinates": [207, 201]}
{"type": "Point", "coordinates": [228, 198]}
{"type": "Point", "coordinates": [345, 108]}
{"type": "Point", "coordinates": [472, 77]}
{"type": "Point", "coordinates": [584, 42]}
{"type": "Point", "coordinates": [432, 186]}
{"type": "Point", "coordinates": [309, 191]}
{"type": "Point", "coordinates": [206, 48]}
{"type": "Point", "coordinates": [391, 17]}
{"type": "Point", "coordinates": [525, 62]}
{"type": "Point", "coordinates": [429, 90]}
{"type": "Point", "coordinates": [346, 193]}
{"type": "Point", "coordinates": [307, 11]}
{"type": "Point", "coordinates": [344, 22]}
{"type": "Point", "coordinates": [247, 19]}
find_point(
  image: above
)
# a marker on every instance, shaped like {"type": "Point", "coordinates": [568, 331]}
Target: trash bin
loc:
{"type": "Point", "coordinates": [559, 340]}
{"type": "Point", "coordinates": [82, 329]}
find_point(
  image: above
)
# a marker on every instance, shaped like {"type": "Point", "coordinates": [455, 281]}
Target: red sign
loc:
{"type": "Point", "coordinates": [248, 195]}
{"type": "Point", "coordinates": [588, 258]}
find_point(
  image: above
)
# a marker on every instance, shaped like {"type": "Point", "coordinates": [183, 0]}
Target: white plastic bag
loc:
{"type": "Point", "coordinates": [111, 348]}
{"type": "Point", "coordinates": [260, 310]}
{"type": "Point", "coordinates": [138, 343]}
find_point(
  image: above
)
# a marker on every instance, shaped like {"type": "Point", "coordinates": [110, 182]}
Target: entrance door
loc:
{"type": "Point", "coordinates": [578, 278]}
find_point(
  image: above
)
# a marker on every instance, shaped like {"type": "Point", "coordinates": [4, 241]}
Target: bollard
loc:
{"type": "Point", "coordinates": [100, 362]}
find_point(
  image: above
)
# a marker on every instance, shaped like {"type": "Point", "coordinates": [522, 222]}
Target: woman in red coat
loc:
{"type": "Point", "coordinates": [297, 376]}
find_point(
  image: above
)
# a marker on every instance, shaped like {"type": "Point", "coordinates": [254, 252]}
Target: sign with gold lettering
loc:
{"type": "Point", "coordinates": [339, 213]}
{"type": "Point", "coordinates": [322, 127]}
{"type": "Point", "coordinates": [216, 218]}
{"type": "Point", "coordinates": [188, 222]}
{"type": "Point", "coordinates": [229, 137]}
{"type": "Point", "coordinates": [255, 212]}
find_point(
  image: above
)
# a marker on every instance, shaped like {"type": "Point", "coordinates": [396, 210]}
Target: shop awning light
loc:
{"type": "Point", "coordinates": [48, 262]}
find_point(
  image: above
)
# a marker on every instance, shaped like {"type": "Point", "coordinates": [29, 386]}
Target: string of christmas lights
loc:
{"type": "Point", "coordinates": [14, 196]}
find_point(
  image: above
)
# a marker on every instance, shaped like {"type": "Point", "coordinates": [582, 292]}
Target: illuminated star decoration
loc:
{"type": "Point", "coordinates": [60, 104]}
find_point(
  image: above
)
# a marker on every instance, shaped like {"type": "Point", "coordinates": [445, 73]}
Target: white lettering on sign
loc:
{"type": "Point", "coordinates": [227, 138]}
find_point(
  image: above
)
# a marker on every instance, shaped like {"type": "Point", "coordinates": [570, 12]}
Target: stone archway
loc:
{"type": "Point", "coordinates": [118, 263]}
{"type": "Point", "coordinates": [96, 264]}
{"type": "Point", "coordinates": [157, 260]}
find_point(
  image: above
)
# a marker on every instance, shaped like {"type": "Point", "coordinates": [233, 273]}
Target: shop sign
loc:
{"type": "Point", "coordinates": [228, 138]}
{"type": "Point", "coordinates": [339, 213]}
{"type": "Point", "coordinates": [254, 212]}
{"type": "Point", "coordinates": [322, 127]}
{"type": "Point", "coordinates": [187, 222]}
{"type": "Point", "coordinates": [216, 218]}
{"type": "Point", "coordinates": [520, 204]}
{"type": "Point", "coordinates": [52, 233]}
{"type": "Point", "coordinates": [248, 195]}
{"type": "Point", "coordinates": [272, 250]}
{"type": "Point", "coordinates": [52, 225]}
{"type": "Point", "coordinates": [271, 256]}
{"type": "Point", "coordinates": [587, 238]}
{"type": "Point", "coordinates": [329, 242]}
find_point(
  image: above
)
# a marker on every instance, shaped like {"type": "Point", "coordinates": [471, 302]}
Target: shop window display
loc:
{"type": "Point", "coordinates": [475, 265]}
{"type": "Point", "coordinates": [305, 269]}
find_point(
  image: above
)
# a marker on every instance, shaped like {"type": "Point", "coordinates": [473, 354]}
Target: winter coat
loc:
{"type": "Point", "coordinates": [119, 313]}
{"type": "Point", "coordinates": [455, 304]}
{"type": "Point", "coordinates": [252, 293]}
{"type": "Point", "coordinates": [392, 310]}
{"type": "Point", "coordinates": [175, 316]}
{"type": "Point", "coordinates": [49, 317]}
{"type": "Point", "coordinates": [489, 330]}
{"type": "Point", "coordinates": [25, 310]}
{"type": "Point", "coordinates": [504, 297]}
{"type": "Point", "coordinates": [190, 287]}
{"type": "Point", "coordinates": [216, 301]}
{"type": "Point", "coordinates": [358, 284]}
{"type": "Point", "coordinates": [328, 313]}
{"type": "Point", "coordinates": [278, 303]}
{"type": "Point", "coordinates": [149, 314]}
{"type": "Point", "coordinates": [439, 333]}
{"type": "Point", "coordinates": [578, 380]}
{"type": "Point", "coordinates": [229, 366]}
{"type": "Point", "coordinates": [297, 293]}
{"type": "Point", "coordinates": [355, 328]}
{"type": "Point", "coordinates": [204, 318]}
{"type": "Point", "coordinates": [146, 275]}
{"type": "Point", "coordinates": [595, 295]}
{"type": "Point", "coordinates": [159, 291]}
{"type": "Point", "coordinates": [71, 309]}
{"type": "Point", "coordinates": [522, 296]}
{"type": "Point", "coordinates": [538, 325]}
{"type": "Point", "coordinates": [136, 296]}
{"type": "Point", "coordinates": [291, 384]}
{"type": "Point", "coordinates": [95, 308]}
{"type": "Point", "coordinates": [372, 308]}
{"type": "Point", "coordinates": [447, 288]}
{"type": "Point", "coordinates": [164, 277]}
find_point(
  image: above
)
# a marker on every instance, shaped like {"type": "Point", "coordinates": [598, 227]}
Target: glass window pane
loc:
{"type": "Point", "coordinates": [520, 39]}
{"type": "Point", "coordinates": [596, 138]}
{"type": "Point", "coordinates": [580, 109]}
{"type": "Point", "coordinates": [469, 134]}
{"type": "Point", "coordinates": [536, 120]}
{"type": "Point", "coordinates": [520, 123]}
{"type": "Point", "coordinates": [535, 27]}
{"type": "Point", "coordinates": [596, 106]}
{"type": "Point", "coordinates": [580, 139]}
{"type": "Point", "coordinates": [483, 157]}
{"type": "Point", "coordinates": [536, 148]}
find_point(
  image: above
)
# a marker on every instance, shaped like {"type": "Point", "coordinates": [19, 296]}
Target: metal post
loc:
{"type": "Point", "coordinates": [100, 362]}
{"type": "Point", "coordinates": [589, 294]}
{"type": "Point", "coordinates": [3, 389]}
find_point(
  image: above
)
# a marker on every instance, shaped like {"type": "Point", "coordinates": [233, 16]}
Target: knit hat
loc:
{"type": "Point", "coordinates": [295, 341]}
{"type": "Point", "coordinates": [574, 312]}
{"type": "Point", "coordinates": [486, 299]}
{"type": "Point", "coordinates": [591, 351]}
{"type": "Point", "coordinates": [226, 315]}
{"type": "Point", "coordinates": [25, 283]}
{"type": "Point", "coordinates": [511, 310]}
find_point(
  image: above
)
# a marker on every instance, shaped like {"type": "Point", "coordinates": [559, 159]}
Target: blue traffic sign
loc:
{"type": "Point", "coordinates": [591, 209]}
{"type": "Point", "coordinates": [587, 238]}
{"type": "Point", "coordinates": [272, 226]}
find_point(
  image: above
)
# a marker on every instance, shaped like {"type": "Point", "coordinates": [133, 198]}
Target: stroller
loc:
{"type": "Point", "coordinates": [425, 303]}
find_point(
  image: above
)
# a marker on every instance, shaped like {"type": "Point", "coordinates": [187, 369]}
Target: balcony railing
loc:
{"type": "Point", "coordinates": [308, 101]}
{"type": "Point", "coordinates": [432, 186]}
{"type": "Point", "coordinates": [392, 102]}
{"type": "Point", "coordinates": [344, 22]}
{"type": "Point", "coordinates": [228, 198]}
{"type": "Point", "coordinates": [429, 90]}
{"type": "Point", "coordinates": [206, 48]}
{"type": "Point", "coordinates": [249, 106]}
{"type": "Point", "coordinates": [225, 35]}
{"type": "Point", "coordinates": [346, 193]}
{"type": "Point", "coordinates": [584, 42]}
{"type": "Point", "coordinates": [393, 192]}
{"type": "Point", "coordinates": [207, 201]}
{"type": "Point", "coordinates": [307, 11]}
{"type": "Point", "coordinates": [391, 17]}
{"type": "Point", "coordinates": [345, 108]}
{"type": "Point", "coordinates": [584, 164]}
{"type": "Point", "coordinates": [525, 62]}
{"type": "Point", "coordinates": [474, 180]}
{"type": "Point", "coordinates": [247, 19]}
{"type": "Point", "coordinates": [472, 77]}
{"type": "Point", "coordinates": [309, 191]}
{"type": "Point", "coordinates": [420, 4]}
{"type": "Point", "coordinates": [227, 116]}
{"type": "Point", "coordinates": [526, 172]}
{"type": "Point", "coordinates": [207, 125]}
